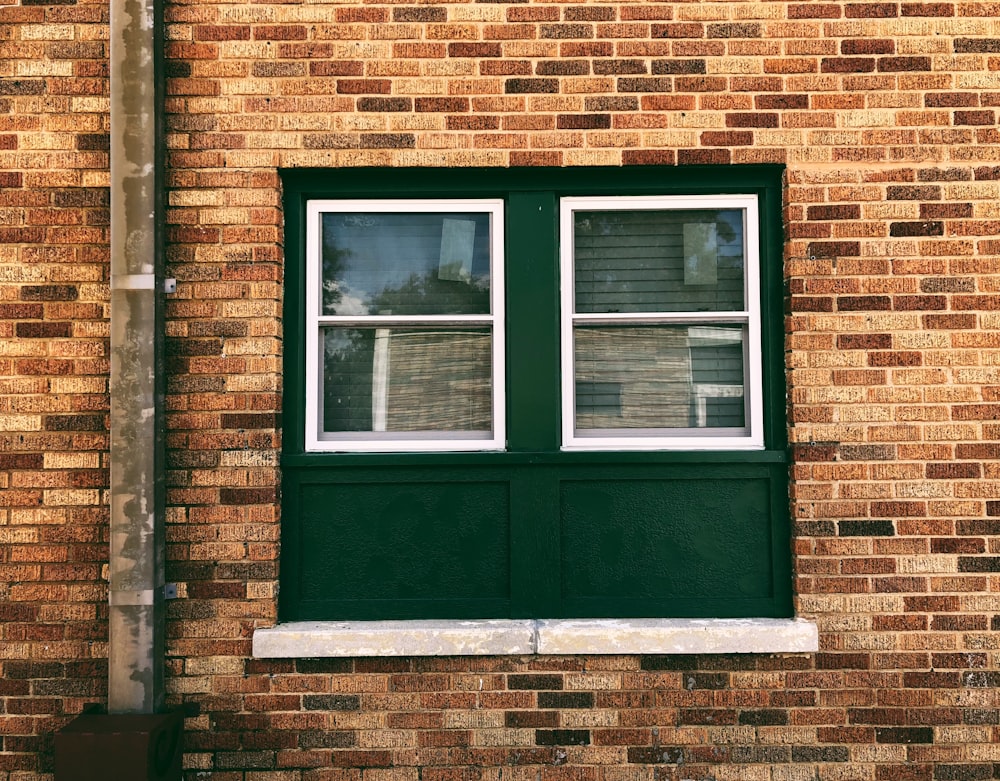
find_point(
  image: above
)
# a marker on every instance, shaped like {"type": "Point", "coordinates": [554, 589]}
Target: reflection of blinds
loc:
{"type": "Point", "coordinates": [439, 381]}
{"type": "Point", "coordinates": [651, 365]}
{"type": "Point", "coordinates": [664, 376]}
{"type": "Point", "coordinates": [402, 379]}
{"type": "Point", "coordinates": [635, 261]}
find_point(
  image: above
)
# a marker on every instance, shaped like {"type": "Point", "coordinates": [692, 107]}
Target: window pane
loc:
{"type": "Point", "coordinates": [405, 264]}
{"type": "Point", "coordinates": [662, 376]}
{"type": "Point", "coordinates": [406, 379]}
{"type": "Point", "coordinates": [679, 260]}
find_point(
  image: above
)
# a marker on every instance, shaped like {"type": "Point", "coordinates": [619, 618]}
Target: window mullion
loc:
{"type": "Point", "coordinates": [532, 323]}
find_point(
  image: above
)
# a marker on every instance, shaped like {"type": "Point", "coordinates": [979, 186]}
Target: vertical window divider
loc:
{"type": "Point", "coordinates": [533, 398]}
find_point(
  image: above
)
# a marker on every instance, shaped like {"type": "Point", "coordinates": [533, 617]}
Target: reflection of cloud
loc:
{"type": "Point", "coordinates": [335, 342]}
{"type": "Point", "coordinates": [342, 302]}
{"type": "Point", "coordinates": [350, 305]}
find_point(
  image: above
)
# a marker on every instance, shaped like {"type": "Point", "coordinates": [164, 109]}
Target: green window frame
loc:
{"type": "Point", "coordinates": [534, 524]}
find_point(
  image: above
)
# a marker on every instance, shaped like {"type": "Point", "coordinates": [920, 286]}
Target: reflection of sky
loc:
{"type": "Point", "coordinates": [336, 341]}
{"type": "Point", "coordinates": [730, 241]}
{"type": "Point", "coordinates": [366, 254]}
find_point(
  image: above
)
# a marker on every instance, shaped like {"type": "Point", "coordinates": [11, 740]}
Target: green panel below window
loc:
{"type": "Point", "coordinates": [652, 540]}
{"type": "Point", "coordinates": [629, 537]}
{"type": "Point", "coordinates": [379, 548]}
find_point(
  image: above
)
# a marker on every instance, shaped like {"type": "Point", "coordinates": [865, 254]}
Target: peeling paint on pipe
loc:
{"type": "Point", "coordinates": [136, 612]}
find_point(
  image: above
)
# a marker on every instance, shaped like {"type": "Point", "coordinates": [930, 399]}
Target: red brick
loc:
{"type": "Point", "coordinates": [953, 471]}
{"type": "Point", "coordinates": [974, 117]}
{"type": "Point", "coordinates": [678, 30]}
{"type": "Point", "coordinates": [726, 138]}
{"type": "Point", "coordinates": [896, 64]}
{"type": "Point", "coordinates": [364, 86]}
{"type": "Point", "coordinates": [834, 212]}
{"type": "Point", "coordinates": [474, 49]}
{"type": "Point", "coordinates": [532, 14]}
{"type": "Point", "coordinates": [898, 358]}
{"type": "Point", "coordinates": [928, 9]}
{"type": "Point", "coordinates": [365, 15]}
{"type": "Point", "coordinates": [231, 32]}
{"type": "Point", "coordinates": [649, 157]}
{"type": "Point", "coordinates": [277, 32]}
{"type": "Point", "coordinates": [586, 49]}
{"type": "Point", "coordinates": [898, 509]}
{"type": "Point", "coordinates": [704, 156]}
{"type": "Point", "coordinates": [847, 65]}
{"type": "Point", "coordinates": [948, 322]}
{"type": "Point", "coordinates": [913, 193]}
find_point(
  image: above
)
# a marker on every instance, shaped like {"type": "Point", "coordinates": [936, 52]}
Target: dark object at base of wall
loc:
{"type": "Point", "coordinates": [123, 747]}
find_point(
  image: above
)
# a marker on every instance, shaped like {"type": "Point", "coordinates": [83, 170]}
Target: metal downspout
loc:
{"type": "Point", "coordinates": [136, 563]}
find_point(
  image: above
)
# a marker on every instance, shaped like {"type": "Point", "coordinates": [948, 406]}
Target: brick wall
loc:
{"type": "Point", "coordinates": [53, 371]}
{"type": "Point", "coordinates": [885, 114]}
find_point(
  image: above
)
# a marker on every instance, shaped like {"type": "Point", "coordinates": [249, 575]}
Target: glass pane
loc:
{"type": "Point", "coordinates": [405, 264]}
{"type": "Point", "coordinates": [662, 376]}
{"type": "Point", "coordinates": [678, 260]}
{"type": "Point", "coordinates": [406, 379]}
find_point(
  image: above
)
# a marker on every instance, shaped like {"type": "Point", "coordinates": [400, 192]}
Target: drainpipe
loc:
{"type": "Point", "coordinates": [136, 564]}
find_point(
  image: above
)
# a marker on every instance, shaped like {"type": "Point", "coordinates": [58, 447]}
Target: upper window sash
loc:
{"type": "Point", "coordinates": [402, 283]}
{"type": "Point", "coordinates": [683, 304]}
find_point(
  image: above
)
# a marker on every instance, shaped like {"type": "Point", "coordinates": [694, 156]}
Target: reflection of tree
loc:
{"type": "Point", "coordinates": [420, 294]}
{"type": "Point", "coordinates": [334, 259]}
{"type": "Point", "coordinates": [428, 294]}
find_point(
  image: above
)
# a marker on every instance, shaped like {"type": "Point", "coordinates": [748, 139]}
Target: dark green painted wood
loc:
{"type": "Point", "coordinates": [319, 461]}
{"type": "Point", "coordinates": [535, 542]}
{"type": "Point", "coordinates": [773, 324]}
{"type": "Point", "coordinates": [533, 531]}
{"type": "Point", "coordinates": [368, 532]}
{"type": "Point", "coordinates": [532, 323]}
{"type": "Point", "coordinates": [658, 535]}
{"type": "Point", "coordinates": [293, 433]}
{"type": "Point", "coordinates": [533, 405]}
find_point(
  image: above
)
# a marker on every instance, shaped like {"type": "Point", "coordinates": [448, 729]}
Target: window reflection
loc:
{"type": "Point", "coordinates": [407, 379]}
{"type": "Point", "coordinates": [683, 260]}
{"type": "Point", "coordinates": [657, 377]}
{"type": "Point", "coordinates": [405, 264]}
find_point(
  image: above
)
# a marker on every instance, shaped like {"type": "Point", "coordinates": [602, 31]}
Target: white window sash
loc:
{"type": "Point", "coordinates": [317, 440]}
{"type": "Point", "coordinates": [750, 317]}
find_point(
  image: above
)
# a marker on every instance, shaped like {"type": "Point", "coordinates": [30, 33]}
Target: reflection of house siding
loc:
{"type": "Point", "coordinates": [437, 381]}
{"type": "Point", "coordinates": [631, 261]}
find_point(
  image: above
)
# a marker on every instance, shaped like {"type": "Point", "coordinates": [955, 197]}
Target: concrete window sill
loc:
{"type": "Point", "coordinates": [311, 639]}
